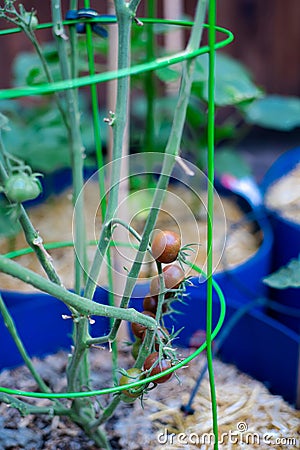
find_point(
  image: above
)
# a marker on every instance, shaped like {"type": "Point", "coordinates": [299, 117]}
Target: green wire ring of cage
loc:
{"type": "Point", "coordinates": [49, 88]}
{"type": "Point", "coordinates": [159, 63]}
{"type": "Point", "coordinates": [115, 389]}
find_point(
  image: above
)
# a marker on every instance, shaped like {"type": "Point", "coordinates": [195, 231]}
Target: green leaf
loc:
{"type": "Point", "coordinates": [9, 227]}
{"type": "Point", "coordinates": [286, 277]}
{"type": "Point", "coordinates": [233, 83]}
{"type": "Point", "coordinates": [3, 122]}
{"type": "Point", "coordinates": [167, 75]}
{"type": "Point", "coordinates": [274, 111]}
{"type": "Point", "coordinates": [196, 115]}
{"type": "Point", "coordinates": [229, 161]}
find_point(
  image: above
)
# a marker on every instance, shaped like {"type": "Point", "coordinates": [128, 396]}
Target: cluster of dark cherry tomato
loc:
{"type": "Point", "coordinates": [165, 249]}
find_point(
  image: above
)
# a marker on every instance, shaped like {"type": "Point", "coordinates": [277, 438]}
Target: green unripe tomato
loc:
{"type": "Point", "coordinates": [136, 348]}
{"type": "Point", "coordinates": [31, 20]}
{"type": "Point", "coordinates": [132, 376]}
{"type": "Point", "coordinates": [21, 187]}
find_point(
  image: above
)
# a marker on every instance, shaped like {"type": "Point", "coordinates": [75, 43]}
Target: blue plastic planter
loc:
{"type": "Point", "coordinates": [286, 239]}
{"type": "Point", "coordinates": [244, 282]}
{"type": "Point", "coordinates": [38, 318]}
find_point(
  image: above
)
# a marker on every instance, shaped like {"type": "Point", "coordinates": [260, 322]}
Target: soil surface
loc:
{"type": "Point", "coordinates": [245, 407]}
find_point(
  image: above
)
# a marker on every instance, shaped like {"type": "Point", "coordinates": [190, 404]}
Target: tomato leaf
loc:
{"type": "Point", "coordinates": [233, 85]}
{"type": "Point", "coordinates": [9, 226]}
{"type": "Point", "coordinates": [231, 162]}
{"type": "Point", "coordinates": [168, 75]}
{"type": "Point", "coordinates": [285, 277]}
{"type": "Point", "coordinates": [274, 111]}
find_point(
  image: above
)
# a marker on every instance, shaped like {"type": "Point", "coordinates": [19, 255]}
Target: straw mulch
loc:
{"type": "Point", "coordinates": [250, 416]}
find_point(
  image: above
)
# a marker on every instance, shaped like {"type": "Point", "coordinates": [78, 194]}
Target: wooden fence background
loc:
{"type": "Point", "coordinates": [267, 38]}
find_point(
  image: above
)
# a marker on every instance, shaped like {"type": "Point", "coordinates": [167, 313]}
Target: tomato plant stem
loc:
{"type": "Point", "coordinates": [210, 215]}
{"type": "Point", "coordinates": [79, 303]}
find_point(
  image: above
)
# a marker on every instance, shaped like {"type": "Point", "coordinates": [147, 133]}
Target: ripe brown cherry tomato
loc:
{"type": "Point", "coordinates": [173, 276]}
{"type": "Point", "coordinates": [158, 366]}
{"type": "Point", "coordinates": [150, 304]}
{"type": "Point", "coordinates": [165, 246]}
{"type": "Point", "coordinates": [139, 329]}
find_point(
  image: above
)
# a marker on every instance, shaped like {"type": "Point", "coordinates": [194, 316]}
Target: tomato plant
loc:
{"type": "Point", "coordinates": [165, 246]}
{"type": "Point", "coordinates": [155, 365]}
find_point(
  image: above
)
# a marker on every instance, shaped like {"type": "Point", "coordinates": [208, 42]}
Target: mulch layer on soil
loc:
{"type": "Point", "coordinates": [247, 411]}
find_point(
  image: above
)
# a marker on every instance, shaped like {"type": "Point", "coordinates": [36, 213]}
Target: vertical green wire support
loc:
{"type": "Point", "coordinates": [149, 86]}
{"type": "Point", "coordinates": [149, 82]}
{"type": "Point", "coordinates": [100, 164]}
{"type": "Point", "coordinates": [210, 200]}
{"type": "Point", "coordinates": [73, 42]}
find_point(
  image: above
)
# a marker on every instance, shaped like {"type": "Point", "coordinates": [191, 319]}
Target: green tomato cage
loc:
{"type": "Point", "coordinates": [94, 79]}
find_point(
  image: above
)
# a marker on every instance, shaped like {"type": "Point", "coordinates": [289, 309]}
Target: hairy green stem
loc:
{"type": "Point", "coordinates": [81, 304]}
{"type": "Point", "coordinates": [107, 413]}
{"type": "Point", "coordinates": [145, 348]}
{"type": "Point", "coordinates": [133, 4]}
{"type": "Point", "coordinates": [26, 409]}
